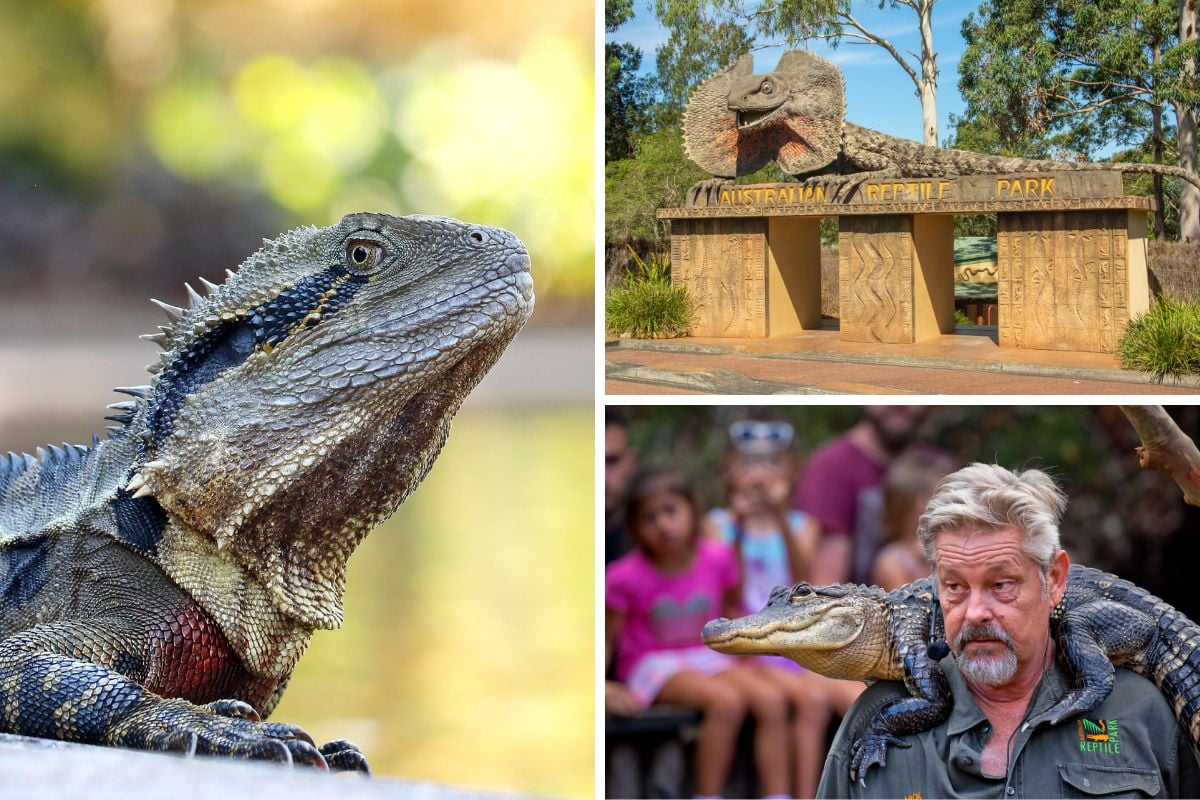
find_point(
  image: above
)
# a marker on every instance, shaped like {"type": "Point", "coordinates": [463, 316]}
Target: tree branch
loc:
{"type": "Point", "coordinates": [866, 35]}
{"type": "Point", "coordinates": [1167, 449]}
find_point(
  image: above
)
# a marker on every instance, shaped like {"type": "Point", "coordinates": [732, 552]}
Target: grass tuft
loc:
{"type": "Point", "coordinates": [648, 306]}
{"type": "Point", "coordinates": [1165, 340]}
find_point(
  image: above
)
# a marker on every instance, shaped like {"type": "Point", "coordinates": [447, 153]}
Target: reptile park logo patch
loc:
{"type": "Point", "coordinates": [1098, 736]}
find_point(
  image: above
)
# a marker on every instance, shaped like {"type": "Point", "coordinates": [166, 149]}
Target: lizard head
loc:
{"type": "Point", "coordinates": [299, 403]}
{"type": "Point", "coordinates": [815, 626]}
{"type": "Point", "coordinates": [737, 122]}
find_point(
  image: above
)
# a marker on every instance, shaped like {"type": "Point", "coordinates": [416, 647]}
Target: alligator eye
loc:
{"type": "Point", "coordinates": [364, 256]}
{"type": "Point", "coordinates": [766, 87]}
{"type": "Point", "coordinates": [801, 589]}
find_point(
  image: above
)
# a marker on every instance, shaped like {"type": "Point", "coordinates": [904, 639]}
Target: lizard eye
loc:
{"type": "Point", "coordinates": [766, 87]}
{"type": "Point", "coordinates": [364, 256]}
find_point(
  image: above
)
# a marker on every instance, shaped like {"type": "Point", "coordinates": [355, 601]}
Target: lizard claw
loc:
{"type": "Point", "coordinates": [235, 709]}
{"type": "Point", "coordinates": [343, 756]}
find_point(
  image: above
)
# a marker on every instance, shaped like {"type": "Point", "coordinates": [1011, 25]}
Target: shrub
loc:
{"type": "Point", "coordinates": [1165, 340]}
{"type": "Point", "coordinates": [648, 306]}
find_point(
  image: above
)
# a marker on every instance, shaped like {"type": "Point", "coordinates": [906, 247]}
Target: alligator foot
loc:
{"type": "Point", "coordinates": [342, 756]}
{"type": "Point", "coordinates": [1075, 701]}
{"type": "Point", "coordinates": [707, 193]}
{"type": "Point", "coordinates": [870, 750]}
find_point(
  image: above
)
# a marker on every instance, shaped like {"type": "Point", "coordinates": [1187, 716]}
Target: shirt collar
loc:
{"type": "Point", "coordinates": [966, 713]}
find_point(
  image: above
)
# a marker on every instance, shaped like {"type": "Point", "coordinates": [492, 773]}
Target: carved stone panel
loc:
{"type": "Point", "coordinates": [1064, 279]}
{"type": "Point", "coordinates": [875, 270]}
{"type": "Point", "coordinates": [722, 263]}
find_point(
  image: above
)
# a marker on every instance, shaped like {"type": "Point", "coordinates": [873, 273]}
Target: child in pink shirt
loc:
{"type": "Point", "coordinates": [657, 599]}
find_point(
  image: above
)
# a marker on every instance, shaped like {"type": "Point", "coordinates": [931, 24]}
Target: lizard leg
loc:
{"type": "Point", "coordinates": [50, 689]}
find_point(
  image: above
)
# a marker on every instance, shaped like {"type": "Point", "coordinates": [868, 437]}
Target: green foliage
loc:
{"type": "Point", "coordinates": [628, 97]}
{"type": "Point", "coordinates": [658, 175]}
{"type": "Point", "coordinates": [702, 40]}
{"type": "Point", "coordinates": [1063, 77]}
{"type": "Point", "coordinates": [1165, 340]}
{"type": "Point", "coordinates": [648, 306]}
{"type": "Point", "coordinates": [960, 318]}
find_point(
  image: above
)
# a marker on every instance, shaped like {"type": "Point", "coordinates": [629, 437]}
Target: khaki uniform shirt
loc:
{"type": "Point", "coordinates": [1129, 746]}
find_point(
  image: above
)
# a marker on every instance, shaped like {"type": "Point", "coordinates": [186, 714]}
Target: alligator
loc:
{"type": "Point", "coordinates": [737, 122]}
{"type": "Point", "coordinates": [868, 634]}
{"type": "Point", "coordinates": [158, 587]}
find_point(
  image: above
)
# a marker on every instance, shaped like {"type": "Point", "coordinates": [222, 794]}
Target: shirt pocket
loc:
{"type": "Point", "coordinates": [1088, 780]}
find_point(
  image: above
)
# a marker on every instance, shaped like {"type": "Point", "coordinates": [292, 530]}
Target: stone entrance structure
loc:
{"type": "Point", "coordinates": [1071, 261]}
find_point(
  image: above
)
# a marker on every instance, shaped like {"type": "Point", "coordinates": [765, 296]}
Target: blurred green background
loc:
{"type": "Point", "coordinates": [145, 143]}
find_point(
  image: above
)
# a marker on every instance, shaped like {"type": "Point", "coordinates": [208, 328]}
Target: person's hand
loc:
{"type": "Point", "coordinates": [761, 487]}
{"type": "Point", "coordinates": [619, 700]}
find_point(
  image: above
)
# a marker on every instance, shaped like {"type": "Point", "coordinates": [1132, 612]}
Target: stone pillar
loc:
{"type": "Point", "coordinates": [933, 278]}
{"type": "Point", "coordinates": [723, 264]}
{"type": "Point", "coordinates": [1070, 280]}
{"type": "Point", "coordinates": [875, 273]}
{"type": "Point", "coordinates": [793, 274]}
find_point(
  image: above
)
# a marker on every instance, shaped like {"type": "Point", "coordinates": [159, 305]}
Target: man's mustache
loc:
{"type": "Point", "coordinates": [982, 632]}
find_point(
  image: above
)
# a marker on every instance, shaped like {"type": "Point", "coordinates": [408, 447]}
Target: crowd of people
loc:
{"type": "Point", "coordinates": [845, 514]}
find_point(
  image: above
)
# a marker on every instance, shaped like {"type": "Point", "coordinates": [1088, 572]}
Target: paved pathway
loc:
{"type": "Point", "coordinates": [819, 363]}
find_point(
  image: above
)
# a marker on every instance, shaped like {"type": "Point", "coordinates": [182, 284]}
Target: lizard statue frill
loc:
{"type": "Point", "coordinates": [737, 122]}
{"type": "Point", "coordinates": [158, 587]}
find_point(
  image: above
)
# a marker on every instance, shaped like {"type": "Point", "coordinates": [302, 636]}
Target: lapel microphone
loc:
{"type": "Point", "coordinates": [937, 649]}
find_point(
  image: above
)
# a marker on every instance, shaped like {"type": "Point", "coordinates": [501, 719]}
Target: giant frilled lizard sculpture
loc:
{"type": "Point", "coordinates": [737, 122]}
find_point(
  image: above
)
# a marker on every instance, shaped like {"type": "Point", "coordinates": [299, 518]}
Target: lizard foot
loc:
{"type": "Point", "coordinates": [342, 756]}
{"type": "Point", "coordinates": [216, 729]}
{"type": "Point", "coordinates": [707, 193]}
{"type": "Point", "coordinates": [869, 751]}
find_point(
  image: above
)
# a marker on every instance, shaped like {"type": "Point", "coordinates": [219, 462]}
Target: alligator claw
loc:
{"type": "Point", "coordinates": [869, 751]}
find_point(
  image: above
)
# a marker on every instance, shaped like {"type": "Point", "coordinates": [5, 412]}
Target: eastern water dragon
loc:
{"type": "Point", "coordinates": [158, 587]}
{"type": "Point", "coordinates": [868, 634]}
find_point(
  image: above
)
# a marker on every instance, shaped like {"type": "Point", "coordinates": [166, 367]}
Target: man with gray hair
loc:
{"type": "Point", "coordinates": [991, 536]}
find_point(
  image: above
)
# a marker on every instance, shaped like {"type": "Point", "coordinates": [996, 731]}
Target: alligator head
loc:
{"type": "Point", "coordinates": [836, 630]}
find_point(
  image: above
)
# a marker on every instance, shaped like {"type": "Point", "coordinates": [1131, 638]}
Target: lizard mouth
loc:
{"type": "Point", "coordinates": [749, 119]}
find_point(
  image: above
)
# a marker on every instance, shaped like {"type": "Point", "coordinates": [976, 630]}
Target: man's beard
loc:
{"type": "Point", "coordinates": [990, 670]}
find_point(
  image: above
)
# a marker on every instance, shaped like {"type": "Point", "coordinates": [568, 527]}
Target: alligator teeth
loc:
{"type": "Point", "coordinates": [174, 313]}
{"type": "Point", "coordinates": [195, 299]}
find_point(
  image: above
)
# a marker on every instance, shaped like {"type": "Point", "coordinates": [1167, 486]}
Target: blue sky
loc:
{"type": "Point", "coordinates": [879, 94]}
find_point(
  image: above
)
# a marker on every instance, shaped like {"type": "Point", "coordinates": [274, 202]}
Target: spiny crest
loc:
{"type": "Point", "coordinates": [259, 279]}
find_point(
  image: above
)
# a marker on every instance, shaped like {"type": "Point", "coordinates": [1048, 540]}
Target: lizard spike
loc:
{"type": "Point", "coordinates": [146, 435]}
{"type": "Point", "coordinates": [133, 391]}
{"type": "Point", "coordinates": [195, 299]}
{"type": "Point", "coordinates": [143, 492]}
{"type": "Point", "coordinates": [156, 464]}
{"type": "Point", "coordinates": [154, 368]}
{"type": "Point", "coordinates": [160, 339]}
{"type": "Point", "coordinates": [135, 483]}
{"type": "Point", "coordinates": [174, 313]}
{"type": "Point", "coordinates": [124, 419]}
{"type": "Point", "coordinates": [229, 273]}
{"type": "Point", "coordinates": [209, 286]}
{"type": "Point", "coordinates": [123, 405]}
{"type": "Point", "coordinates": [113, 430]}
{"type": "Point", "coordinates": [95, 441]}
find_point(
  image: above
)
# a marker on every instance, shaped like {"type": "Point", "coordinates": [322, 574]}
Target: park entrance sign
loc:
{"type": "Point", "coordinates": [1071, 257]}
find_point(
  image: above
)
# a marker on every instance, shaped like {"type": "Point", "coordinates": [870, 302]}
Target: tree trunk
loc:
{"type": "Point", "coordinates": [1159, 197]}
{"type": "Point", "coordinates": [929, 73]}
{"type": "Point", "coordinates": [1185, 124]}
